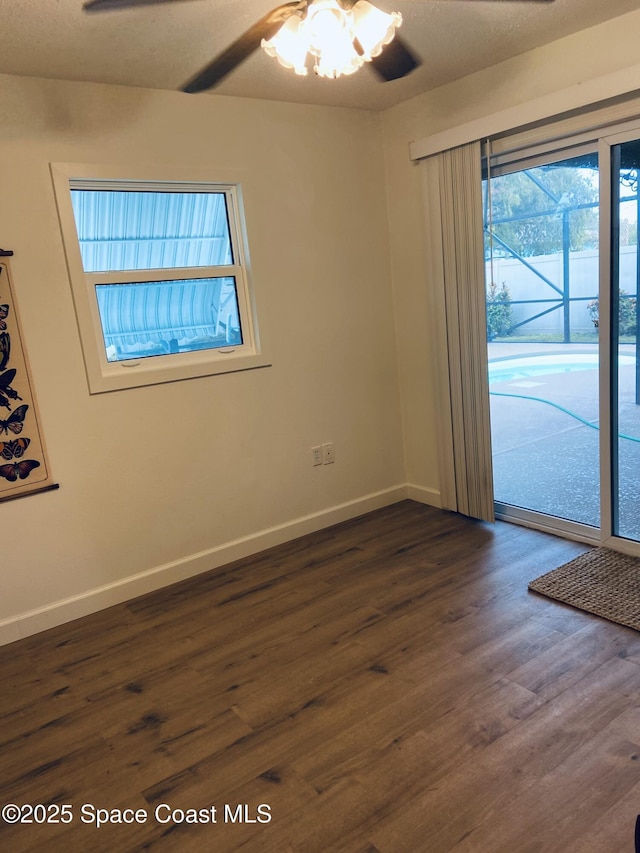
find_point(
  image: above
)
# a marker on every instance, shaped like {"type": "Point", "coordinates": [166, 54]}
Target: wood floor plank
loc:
{"type": "Point", "coordinates": [447, 738]}
{"type": "Point", "coordinates": [480, 790]}
{"type": "Point", "coordinates": [560, 807]}
{"type": "Point", "coordinates": [612, 829]}
{"type": "Point", "coordinates": [567, 662]}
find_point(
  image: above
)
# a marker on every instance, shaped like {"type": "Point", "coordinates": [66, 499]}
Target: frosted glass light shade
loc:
{"type": "Point", "coordinates": [374, 28]}
{"type": "Point", "coordinates": [289, 46]}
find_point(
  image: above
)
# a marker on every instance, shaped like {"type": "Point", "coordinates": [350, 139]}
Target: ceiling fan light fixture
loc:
{"type": "Point", "coordinates": [340, 40]}
{"type": "Point", "coordinates": [340, 35]}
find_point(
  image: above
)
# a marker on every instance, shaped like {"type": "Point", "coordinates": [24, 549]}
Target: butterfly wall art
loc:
{"type": "Point", "coordinates": [20, 469]}
{"type": "Point", "coordinates": [6, 391]}
{"type": "Point", "coordinates": [14, 449]}
{"type": "Point", "coordinates": [14, 422]}
{"type": "Point", "coordinates": [19, 420]}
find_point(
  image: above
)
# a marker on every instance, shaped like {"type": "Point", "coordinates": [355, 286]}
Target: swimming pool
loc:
{"type": "Point", "coordinates": [532, 366]}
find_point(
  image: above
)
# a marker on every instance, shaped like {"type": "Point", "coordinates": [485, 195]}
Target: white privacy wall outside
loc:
{"type": "Point", "coordinates": [523, 284]}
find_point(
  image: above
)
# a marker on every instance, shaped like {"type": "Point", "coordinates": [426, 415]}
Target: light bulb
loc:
{"type": "Point", "coordinates": [338, 57]}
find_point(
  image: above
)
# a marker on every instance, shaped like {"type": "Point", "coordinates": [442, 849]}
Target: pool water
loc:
{"type": "Point", "coordinates": [528, 367]}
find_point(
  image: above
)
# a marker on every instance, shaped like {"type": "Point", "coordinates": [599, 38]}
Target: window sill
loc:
{"type": "Point", "coordinates": [137, 373]}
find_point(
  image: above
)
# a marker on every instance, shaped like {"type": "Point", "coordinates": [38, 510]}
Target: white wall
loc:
{"type": "Point", "coordinates": [162, 479]}
{"type": "Point", "coordinates": [610, 47]}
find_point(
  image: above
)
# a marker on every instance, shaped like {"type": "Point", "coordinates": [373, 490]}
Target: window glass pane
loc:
{"type": "Point", "coordinates": [122, 230]}
{"type": "Point", "coordinates": [542, 275]}
{"type": "Point", "coordinates": [163, 317]}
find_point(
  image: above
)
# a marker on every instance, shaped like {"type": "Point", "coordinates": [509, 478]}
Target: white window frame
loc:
{"type": "Point", "coordinates": [103, 375]}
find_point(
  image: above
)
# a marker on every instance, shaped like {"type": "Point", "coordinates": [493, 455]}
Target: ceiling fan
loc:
{"type": "Point", "coordinates": [356, 32]}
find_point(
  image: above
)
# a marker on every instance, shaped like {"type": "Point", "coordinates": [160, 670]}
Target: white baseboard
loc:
{"type": "Point", "coordinates": [34, 621]}
{"type": "Point", "coordinates": [424, 495]}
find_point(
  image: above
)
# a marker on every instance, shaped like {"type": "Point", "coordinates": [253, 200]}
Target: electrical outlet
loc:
{"type": "Point", "coordinates": [328, 453]}
{"type": "Point", "coordinates": [316, 455]}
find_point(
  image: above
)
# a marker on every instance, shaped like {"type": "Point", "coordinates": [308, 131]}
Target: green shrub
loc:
{"type": "Point", "coordinates": [626, 313]}
{"type": "Point", "coordinates": [499, 314]}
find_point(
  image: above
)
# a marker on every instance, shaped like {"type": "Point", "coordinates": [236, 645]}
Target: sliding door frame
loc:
{"type": "Point", "coordinates": [604, 142]}
{"type": "Point", "coordinates": [608, 418]}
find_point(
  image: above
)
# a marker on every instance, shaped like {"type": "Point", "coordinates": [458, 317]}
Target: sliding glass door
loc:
{"type": "Point", "coordinates": [562, 271]}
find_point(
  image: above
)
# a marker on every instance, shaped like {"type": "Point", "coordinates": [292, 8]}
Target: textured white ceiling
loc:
{"type": "Point", "coordinates": [163, 46]}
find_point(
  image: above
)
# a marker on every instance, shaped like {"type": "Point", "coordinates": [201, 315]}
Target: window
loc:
{"type": "Point", "coordinates": [159, 278]}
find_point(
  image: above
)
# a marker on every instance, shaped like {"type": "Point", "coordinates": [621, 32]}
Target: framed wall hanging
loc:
{"type": "Point", "coordinates": [24, 467]}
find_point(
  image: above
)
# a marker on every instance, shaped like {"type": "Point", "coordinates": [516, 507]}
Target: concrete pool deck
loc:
{"type": "Point", "coordinates": [545, 456]}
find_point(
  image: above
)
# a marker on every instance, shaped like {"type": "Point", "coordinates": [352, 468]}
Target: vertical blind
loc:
{"type": "Point", "coordinates": [455, 238]}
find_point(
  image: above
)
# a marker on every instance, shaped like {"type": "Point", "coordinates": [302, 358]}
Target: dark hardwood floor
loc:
{"type": "Point", "coordinates": [385, 685]}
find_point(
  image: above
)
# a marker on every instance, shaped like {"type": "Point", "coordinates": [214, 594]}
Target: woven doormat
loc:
{"type": "Point", "coordinates": [601, 581]}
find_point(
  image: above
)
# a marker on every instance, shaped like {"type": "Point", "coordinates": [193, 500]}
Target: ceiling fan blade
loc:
{"type": "Point", "coordinates": [242, 47]}
{"type": "Point", "coordinates": [395, 61]}
{"type": "Point", "coordinates": [109, 5]}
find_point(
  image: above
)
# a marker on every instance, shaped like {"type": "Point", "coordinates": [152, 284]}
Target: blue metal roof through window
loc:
{"type": "Point", "coordinates": [159, 318]}
{"type": "Point", "coordinates": [150, 230]}
{"type": "Point", "coordinates": [128, 230]}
